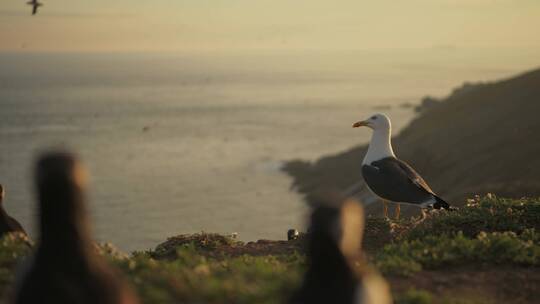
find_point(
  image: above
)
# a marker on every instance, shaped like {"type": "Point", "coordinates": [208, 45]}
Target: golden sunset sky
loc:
{"type": "Point", "coordinates": [166, 25]}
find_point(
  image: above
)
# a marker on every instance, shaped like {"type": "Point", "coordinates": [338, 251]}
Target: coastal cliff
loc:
{"type": "Point", "coordinates": [482, 138]}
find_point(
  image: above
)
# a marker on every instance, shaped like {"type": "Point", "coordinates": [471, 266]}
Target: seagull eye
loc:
{"type": "Point", "coordinates": [373, 117]}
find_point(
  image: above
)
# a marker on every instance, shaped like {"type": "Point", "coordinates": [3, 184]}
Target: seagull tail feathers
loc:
{"type": "Point", "coordinates": [440, 203]}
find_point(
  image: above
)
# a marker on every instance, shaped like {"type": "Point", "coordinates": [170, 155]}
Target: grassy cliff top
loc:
{"type": "Point", "coordinates": [486, 252]}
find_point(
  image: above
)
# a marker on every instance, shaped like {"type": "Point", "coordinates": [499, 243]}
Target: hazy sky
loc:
{"type": "Point", "coordinates": [167, 25]}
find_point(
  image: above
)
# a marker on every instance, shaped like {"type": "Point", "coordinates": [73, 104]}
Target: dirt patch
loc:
{"type": "Point", "coordinates": [219, 246]}
{"type": "Point", "coordinates": [480, 284]}
{"type": "Point", "coordinates": [265, 247]}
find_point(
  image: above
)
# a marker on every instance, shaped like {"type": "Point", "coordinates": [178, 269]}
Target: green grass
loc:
{"type": "Point", "coordinates": [209, 268]}
{"type": "Point", "coordinates": [377, 233]}
{"type": "Point", "coordinates": [414, 296]}
{"type": "Point", "coordinates": [487, 214]}
{"type": "Point", "coordinates": [432, 252]}
{"type": "Point", "coordinates": [13, 248]}
{"type": "Point", "coordinates": [195, 278]}
{"type": "Point", "coordinates": [488, 230]}
{"type": "Point", "coordinates": [191, 277]}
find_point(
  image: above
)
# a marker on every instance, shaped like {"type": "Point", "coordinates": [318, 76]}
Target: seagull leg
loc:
{"type": "Point", "coordinates": [385, 208]}
{"type": "Point", "coordinates": [398, 211]}
{"type": "Point", "coordinates": [424, 217]}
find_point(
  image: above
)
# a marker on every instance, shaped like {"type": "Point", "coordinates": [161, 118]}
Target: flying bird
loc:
{"type": "Point", "coordinates": [35, 4]}
{"type": "Point", "coordinates": [337, 272]}
{"type": "Point", "coordinates": [65, 267]}
{"type": "Point", "coordinates": [390, 178]}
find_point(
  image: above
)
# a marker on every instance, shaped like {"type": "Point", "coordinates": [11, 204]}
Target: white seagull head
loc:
{"type": "Point", "coordinates": [375, 122]}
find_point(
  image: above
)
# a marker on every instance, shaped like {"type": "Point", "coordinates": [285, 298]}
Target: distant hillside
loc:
{"type": "Point", "coordinates": [482, 138]}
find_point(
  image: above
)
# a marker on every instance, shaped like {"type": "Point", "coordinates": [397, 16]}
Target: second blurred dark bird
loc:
{"type": "Point", "coordinates": [337, 272]}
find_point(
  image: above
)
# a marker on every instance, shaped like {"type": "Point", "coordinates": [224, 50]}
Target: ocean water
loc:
{"type": "Point", "coordinates": [182, 143]}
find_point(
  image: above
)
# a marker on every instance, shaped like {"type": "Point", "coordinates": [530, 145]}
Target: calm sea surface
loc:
{"type": "Point", "coordinates": [180, 143]}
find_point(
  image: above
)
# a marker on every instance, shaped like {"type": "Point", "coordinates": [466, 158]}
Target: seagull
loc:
{"type": "Point", "coordinates": [7, 223]}
{"type": "Point", "coordinates": [65, 267]}
{"type": "Point", "coordinates": [35, 4]}
{"type": "Point", "coordinates": [337, 272]}
{"type": "Point", "coordinates": [390, 178]}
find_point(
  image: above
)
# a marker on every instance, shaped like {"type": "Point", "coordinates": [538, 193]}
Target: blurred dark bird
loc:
{"type": "Point", "coordinates": [7, 223]}
{"type": "Point", "coordinates": [65, 267]}
{"type": "Point", "coordinates": [337, 272]}
{"type": "Point", "coordinates": [390, 178]}
{"type": "Point", "coordinates": [35, 4]}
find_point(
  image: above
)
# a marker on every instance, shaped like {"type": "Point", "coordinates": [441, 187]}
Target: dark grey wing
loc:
{"type": "Point", "coordinates": [396, 181]}
{"type": "Point", "coordinates": [413, 175]}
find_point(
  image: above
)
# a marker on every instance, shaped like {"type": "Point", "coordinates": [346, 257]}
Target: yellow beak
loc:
{"type": "Point", "coordinates": [362, 123]}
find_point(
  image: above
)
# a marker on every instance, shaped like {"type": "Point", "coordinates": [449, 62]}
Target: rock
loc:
{"type": "Point", "coordinates": [292, 234]}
